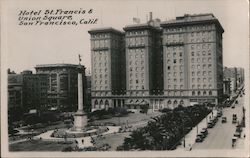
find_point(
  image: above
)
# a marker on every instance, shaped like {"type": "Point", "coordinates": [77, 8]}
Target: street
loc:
{"type": "Point", "coordinates": [220, 136]}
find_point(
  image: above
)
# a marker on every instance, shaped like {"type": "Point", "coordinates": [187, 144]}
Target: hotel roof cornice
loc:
{"type": "Point", "coordinates": [105, 30]}
{"type": "Point", "coordinates": [191, 20]}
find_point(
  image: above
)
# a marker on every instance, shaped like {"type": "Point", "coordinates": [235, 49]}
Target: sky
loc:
{"type": "Point", "coordinates": [27, 46]}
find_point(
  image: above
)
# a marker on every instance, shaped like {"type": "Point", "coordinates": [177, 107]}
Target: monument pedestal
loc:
{"type": "Point", "coordinates": [80, 120]}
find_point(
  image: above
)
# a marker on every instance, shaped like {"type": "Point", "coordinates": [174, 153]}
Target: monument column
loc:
{"type": "Point", "coordinates": [80, 118]}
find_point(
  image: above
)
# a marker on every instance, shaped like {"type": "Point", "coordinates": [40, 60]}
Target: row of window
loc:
{"type": "Point", "coordinates": [198, 60]}
{"type": "Point", "coordinates": [136, 69]}
{"type": "Point", "coordinates": [101, 88]}
{"type": "Point", "coordinates": [175, 54]}
{"type": "Point", "coordinates": [199, 79]}
{"type": "Point", "coordinates": [135, 41]}
{"type": "Point", "coordinates": [175, 80]}
{"type": "Point", "coordinates": [198, 27]}
{"type": "Point", "coordinates": [198, 53]}
{"type": "Point", "coordinates": [204, 73]}
{"type": "Point", "coordinates": [174, 61]}
{"type": "Point", "coordinates": [201, 46]}
{"type": "Point", "coordinates": [141, 32]}
{"type": "Point", "coordinates": [101, 75]}
{"type": "Point", "coordinates": [170, 74]}
{"type": "Point", "coordinates": [136, 75]}
{"type": "Point", "coordinates": [204, 66]}
{"type": "Point", "coordinates": [131, 87]}
{"type": "Point", "coordinates": [100, 35]}
{"type": "Point", "coordinates": [175, 67]}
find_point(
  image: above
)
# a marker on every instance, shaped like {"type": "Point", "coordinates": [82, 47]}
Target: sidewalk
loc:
{"type": "Point", "coordinates": [191, 136]}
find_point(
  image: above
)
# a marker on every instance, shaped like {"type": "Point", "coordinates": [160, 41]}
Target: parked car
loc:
{"type": "Point", "coordinates": [210, 125]}
{"type": "Point", "coordinates": [223, 120]}
{"type": "Point", "coordinates": [219, 113]}
{"type": "Point", "coordinates": [199, 138]}
{"type": "Point", "coordinates": [237, 134]}
{"type": "Point", "coordinates": [234, 120]}
{"type": "Point", "coordinates": [204, 132]}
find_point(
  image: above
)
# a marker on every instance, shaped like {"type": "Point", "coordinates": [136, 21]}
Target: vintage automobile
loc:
{"type": "Point", "coordinates": [210, 125]}
{"type": "Point", "coordinates": [237, 134]}
{"type": "Point", "coordinates": [234, 139]}
{"type": "Point", "coordinates": [223, 120]}
{"type": "Point", "coordinates": [219, 113]}
{"type": "Point", "coordinates": [199, 138]}
{"type": "Point", "coordinates": [234, 120]}
{"type": "Point", "coordinates": [204, 132]}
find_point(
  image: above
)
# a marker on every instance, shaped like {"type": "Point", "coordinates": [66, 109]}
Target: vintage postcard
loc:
{"type": "Point", "coordinates": [136, 78]}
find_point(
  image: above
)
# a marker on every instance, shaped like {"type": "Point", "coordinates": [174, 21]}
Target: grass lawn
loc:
{"type": "Point", "coordinates": [37, 145]}
{"type": "Point", "coordinates": [131, 118]}
{"type": "Point", "coordinates": [114, 140]}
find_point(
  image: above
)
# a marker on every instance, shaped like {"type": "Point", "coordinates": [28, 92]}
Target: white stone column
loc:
{"type": "Point", "coordinates": [80, 92]}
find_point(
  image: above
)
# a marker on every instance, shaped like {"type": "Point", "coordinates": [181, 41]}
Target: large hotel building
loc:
{"type": "Point", "coordinates": [160, 64]}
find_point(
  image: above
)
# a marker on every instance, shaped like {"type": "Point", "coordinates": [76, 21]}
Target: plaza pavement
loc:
{"type": "Point", "coordinates": [87, 140]}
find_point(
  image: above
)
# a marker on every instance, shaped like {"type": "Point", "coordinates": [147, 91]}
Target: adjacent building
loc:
{"type": "Point", "coordinates": [166, 64]}
{"type": "Point", "coordinates": [62, 85]}
{"type": "Point", "coordinates": [34, 90]}
{"type": "Point", "coordinates": [236, 77]}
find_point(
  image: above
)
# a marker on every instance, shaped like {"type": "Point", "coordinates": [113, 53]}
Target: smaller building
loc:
{"type": "Point", "coordinates": [34, 90]}
{"type": "Point", "coordinates": [227, 87]}
{"type": "Point", "coordinates": [62, 85]}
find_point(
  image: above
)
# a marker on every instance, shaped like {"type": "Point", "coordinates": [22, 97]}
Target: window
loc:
{"type": "Point", "coordinates": [199, 93]}
{"type": "Point", "coordinates": [198, 86]}
{"type": "Point", "coordinates": [180, 54]}
{"type": "Point", "coordinates": [174, 60]}
{"type": "Point", "coordinates": [204, 80]}
{"type": "Point", "coordinates": [169, 80]}
{"type": "Point", "coordinates": [136, 81]}
{"type": "Point", "coordinates": [193, 92]}
{"type": "Point", "coordinates": [174, 54]}
{"type": "Point", "coordinates": [168, 67]}
{"type": "Point", "coordinates": [193, 73]}
{"type": "Point", "coordinates": [193, 79]}
{"type": "Point", "coordinates": [192, 53]}
{"type": "Point", "coordinates": [210, 86]}
{"type": "Point", "coordinates": [210, 92]}
{"type": "Point", "coordinates": [192, 47]}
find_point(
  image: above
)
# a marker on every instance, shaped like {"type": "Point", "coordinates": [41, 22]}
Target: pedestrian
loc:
{"type": "Point", "coordinates": [82, 141]}
{"type": "Point", "coordinates": [244, 136]}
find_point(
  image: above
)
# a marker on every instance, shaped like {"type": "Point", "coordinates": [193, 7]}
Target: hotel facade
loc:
{"type": "Point", "coordinates": [159, 64]}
